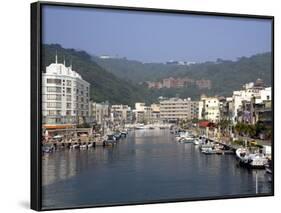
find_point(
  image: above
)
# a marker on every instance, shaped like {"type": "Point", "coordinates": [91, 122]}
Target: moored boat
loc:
{"type": "Point", "coordinates": [47, 148]}
{"type": "Point", "coordinates": [196, 141]}
{"type": "Point", "coordinates": [251, 160]}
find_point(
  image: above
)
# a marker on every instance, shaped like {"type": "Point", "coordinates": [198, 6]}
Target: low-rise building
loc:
{"type": "Point", "coordinates": [142, 113]}
{"type": "Point", "coordinates": [175, 109]}
{"type": "Point", "coordinates": [121, 114]}
{"type": "Point", "coordinates": [100, 111]}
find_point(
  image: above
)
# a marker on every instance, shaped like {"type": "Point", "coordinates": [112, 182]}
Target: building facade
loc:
{"type": "Point", "coordinates": [121, 113]}
{"type": "Point", "coordinates": [65, 96]}
{"type": "Point", "coordinates": [210, 108]}
{"type": "Point", "coordinates": [100, 112]}
{"type": "Point", "coordinates": [175, 109]}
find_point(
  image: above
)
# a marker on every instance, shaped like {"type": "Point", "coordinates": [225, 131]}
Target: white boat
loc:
{"type": "Point", "coordinates": [74, 146]}
{"type": "Point", "coordinates": [140, 126]}
{"type": "Point", "coordinates": [83, 146]}
{"type": "Point", "coordinates": [252, 160]}
{"type": "Point", "coordinates": [196, 141]}
{"type": "Point", "coordinates": [206, 146]}
{"type": "Point", "coordinates": [268, 167]}
{"type": "Point", "coordinates": [90, 145]}
{"type": "Point", "coordinates": [209, 151]}
{"type": "Point", "coordinates": [186, 140]}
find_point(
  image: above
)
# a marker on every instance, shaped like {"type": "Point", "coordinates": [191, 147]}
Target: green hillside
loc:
{"type": "Point", "coordinates": [226, 76]}
{"type": "Point", "coordinates": [117, 80]}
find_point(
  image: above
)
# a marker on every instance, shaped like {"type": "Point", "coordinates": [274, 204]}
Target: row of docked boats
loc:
{"type": "Point", "coordinates": [252, 159]}
{"type": "Point", "coordinates": [206, 146]}
{"type": "Point", "coordinates": [144, 127]}
{"type": "Point", "coordinates": [114, 137]}
{"type": "Point", "coordinates": [108, 139]}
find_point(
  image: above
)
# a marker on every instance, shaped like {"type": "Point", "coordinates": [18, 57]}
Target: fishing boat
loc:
{"type": "Point", "coordinates": [251, 160]}
{"type": "Point", "coordinates": [196, 141]}
{"type": "Point", "coordinates": [83, 146]}
{"type": "Point", "coordinates": [47, 148]}
{"type": "Point", "coordinates": [184, 137]}
{"type": "Point", "coordinates": [186, 140]}
{"type": "Point", "coordinates": [74, 146]}
{"type": "Point", "coordinates": [268, 167]}
{"type": "Point", "coordinates": [206, 146]}
{"type": "Point", "coordinates": [111, 139]}
{"type": "Point", "coordinates": [89, 145]}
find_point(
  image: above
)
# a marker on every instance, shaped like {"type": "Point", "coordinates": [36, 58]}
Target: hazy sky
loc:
{"type": "Point", "coordinates": [155, 37]}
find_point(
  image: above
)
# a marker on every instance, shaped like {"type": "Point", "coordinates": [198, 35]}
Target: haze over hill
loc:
{"type": "Point", "coordinates": [118, 79]}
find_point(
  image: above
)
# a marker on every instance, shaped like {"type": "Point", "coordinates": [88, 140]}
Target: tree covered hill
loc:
{"type": "Point", "coordinates": [104, 85]}
{"type": "Point", "coordinates": [225, 75]}
{"type": "Point", "coordinates": [117, 80]}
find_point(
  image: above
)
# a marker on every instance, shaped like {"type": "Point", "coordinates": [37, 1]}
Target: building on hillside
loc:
{"type": "Point", "coordinates": [203, 84]}
{"type": "Point", "coordinates": [175, 109]}
{"type": "Point", "coordinates": [65, 96]}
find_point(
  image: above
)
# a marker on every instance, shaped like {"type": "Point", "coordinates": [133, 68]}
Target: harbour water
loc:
{"type": "Point", "coordinates": [146, 166]}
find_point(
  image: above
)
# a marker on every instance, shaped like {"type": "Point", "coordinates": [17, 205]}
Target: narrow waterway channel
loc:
{"type": "Point", "coordinates": [148, 165]}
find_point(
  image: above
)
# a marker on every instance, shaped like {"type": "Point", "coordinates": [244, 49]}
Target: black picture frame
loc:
{"type": "Point", "coordinates": [36, 120]}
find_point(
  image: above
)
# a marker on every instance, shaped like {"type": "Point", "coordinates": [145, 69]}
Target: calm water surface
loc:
{"type": "Point", "coordinates": [148, 165]}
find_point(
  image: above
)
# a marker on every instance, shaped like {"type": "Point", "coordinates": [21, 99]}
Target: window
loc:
{"type": "Point", "coordinates": [68, 98]}
{"type": "Point", "coordinates": [53, 104]}
{"type": "Point", "coordinates": [68, 105]}
{"type": "Point", "coordinates": [68, 83]}
{"type": "Point", "coordinates": [68, 90]}
{"type": "Point", "coordinates": [53, 89]}
{"type": "Point", "coordinates": [54, 97]}
{"type": "Point", "coordinates": [54, 112]}
{"type": "Point", "coordinates": [53, 81]}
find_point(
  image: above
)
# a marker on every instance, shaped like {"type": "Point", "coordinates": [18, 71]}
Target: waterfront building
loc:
{"type": "Point", "coordinates": [258, 108]}
{"type": "Point", "coordinates": [250, 90]}
{"type": "Point", "coordinates": [210, 108]}
{"type": "Point", "coordinates": [174, 109]}
{"type": "Point", "coordinates": [65, 96]}
{"type": "Point", "coordinates": [100, 111]}
{"type": "Point", "coordinates": [121, 114]}
{"type": "Point", "coordinates": [155, 113]}
{"type": "Point", "coordinates": [143, 113]}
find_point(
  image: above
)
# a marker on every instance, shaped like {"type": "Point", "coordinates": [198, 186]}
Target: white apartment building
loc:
{"type": "Point", "coordinates": [248, 92]}
{"type": "Point", "coordinates": [174, 109]}
{"type": "Point", "coordinates": [65, 96]}
{"type": "Point", "coordinates": [209, 108]}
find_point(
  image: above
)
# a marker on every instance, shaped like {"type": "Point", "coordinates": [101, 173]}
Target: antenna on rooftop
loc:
{"type": "Point", "coordinates": [56, 56]}
{"type": "Point", "coordinates": [64, 60]}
